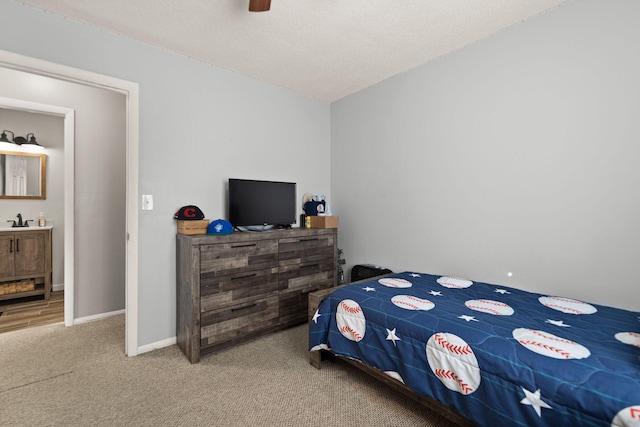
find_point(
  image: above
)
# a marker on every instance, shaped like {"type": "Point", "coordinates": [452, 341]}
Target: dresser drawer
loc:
{"type": "Point", "coordinates": [239, 288]}
{"type": "Point", "coordinates": [320, 274]}
{"type": "Point", "coordinates": [230, 258]}
{"type": "Point", "coordinates": [298, 250]}
{"type": "Point", "coordinates": [234, 322]}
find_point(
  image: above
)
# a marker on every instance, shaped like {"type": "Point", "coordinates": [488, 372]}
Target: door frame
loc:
{"type": "Point", "coordinates": [131, 92]}
{"type": "Point", "coordinates": [68, 116]}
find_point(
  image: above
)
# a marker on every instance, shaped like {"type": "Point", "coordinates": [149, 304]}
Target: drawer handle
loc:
{"type": "Point", "coordinates": [309, 240]}
{"type": "Point", "coordinates": [243, 277]}
{"type": "Point", "coordinates": [244, 308]}
{"type": "Point", "coordinates": [247, 245]}
{"type": "Point", "coordinates": [309, 266]}
{"type": "Point", "coordinates": [308, 291]}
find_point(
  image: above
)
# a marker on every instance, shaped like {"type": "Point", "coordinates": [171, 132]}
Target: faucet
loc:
{"type": "Point", "coordinates": [19, 223]}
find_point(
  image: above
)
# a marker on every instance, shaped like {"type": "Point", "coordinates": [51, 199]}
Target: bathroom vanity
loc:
{"type": "Point", "coordinates": [25, 262]}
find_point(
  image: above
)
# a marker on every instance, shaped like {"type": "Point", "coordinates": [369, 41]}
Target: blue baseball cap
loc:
{"type": "Point", "coordinates": [220, 226]}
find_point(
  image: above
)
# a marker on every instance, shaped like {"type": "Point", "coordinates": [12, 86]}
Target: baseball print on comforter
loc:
{"type": "Point", "coordinates": [498, 355]}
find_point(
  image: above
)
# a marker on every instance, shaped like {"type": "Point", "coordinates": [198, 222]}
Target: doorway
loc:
{"type": "Point", "coordinates": [130, 92]}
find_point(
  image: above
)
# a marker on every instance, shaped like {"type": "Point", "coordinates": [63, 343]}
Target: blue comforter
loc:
{"type": "Point", "coordinates": [498, 355]}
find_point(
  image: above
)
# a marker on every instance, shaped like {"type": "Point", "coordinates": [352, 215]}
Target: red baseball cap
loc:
{"type": "Point", "coordinates": [189, 212]}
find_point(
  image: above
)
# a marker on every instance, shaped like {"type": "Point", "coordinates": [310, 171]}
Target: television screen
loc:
{"type": "Point", "coordinates": [260, 203]}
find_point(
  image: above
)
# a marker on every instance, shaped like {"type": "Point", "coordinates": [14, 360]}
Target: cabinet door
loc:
{"type": "Point", "coordinates": [29, 253]}
{"type": "Point", "coordinates": [7, 249]}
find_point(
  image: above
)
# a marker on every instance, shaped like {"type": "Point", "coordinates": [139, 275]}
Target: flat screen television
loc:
{"type": "Point", "coordinates": [261, 203]}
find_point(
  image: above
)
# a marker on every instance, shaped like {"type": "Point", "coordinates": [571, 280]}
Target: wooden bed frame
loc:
{"type": "Point", "coordinates": [316, 357]}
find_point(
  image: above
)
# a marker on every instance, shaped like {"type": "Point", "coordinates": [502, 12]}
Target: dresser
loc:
{"type": "Point", "coordinates": [234, 287]}
{"type": "Point", "coordinates": [25, 262]}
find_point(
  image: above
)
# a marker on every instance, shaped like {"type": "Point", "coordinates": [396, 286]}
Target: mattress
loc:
{"type": "Point", "coordinates": [496, 354]}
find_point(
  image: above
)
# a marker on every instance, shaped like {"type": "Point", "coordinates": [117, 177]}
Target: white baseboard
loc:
{"type": "Point", "coordinates": [100, 316]}
{"type": "Point", "coordinates": [142, 349]}
{"type": "Point", "coordinates": [157, 345]}
{"type": "Point", "coordinates": [58, 287]}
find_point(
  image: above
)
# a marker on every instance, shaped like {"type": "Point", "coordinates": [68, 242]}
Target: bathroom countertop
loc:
{"type": "Point", "coordinates": [8, 227]}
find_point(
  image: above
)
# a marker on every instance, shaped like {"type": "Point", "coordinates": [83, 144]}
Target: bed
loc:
{"type": "Point", "coordinates": [483, 354]}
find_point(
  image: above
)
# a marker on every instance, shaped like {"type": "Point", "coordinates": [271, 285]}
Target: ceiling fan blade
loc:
{"type": "Point", "coordinates": [259, 5]}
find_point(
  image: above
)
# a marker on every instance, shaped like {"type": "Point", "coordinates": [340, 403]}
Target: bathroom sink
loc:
{"type": "Point", "coordinates": [8, 226]}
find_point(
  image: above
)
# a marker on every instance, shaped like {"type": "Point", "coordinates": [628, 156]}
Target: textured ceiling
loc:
{"type": "Point", "coordinates": [325, 49]}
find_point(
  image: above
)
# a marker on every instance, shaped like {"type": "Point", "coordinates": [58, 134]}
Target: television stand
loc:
{"type": "Point", "coordinates": [237, 286]}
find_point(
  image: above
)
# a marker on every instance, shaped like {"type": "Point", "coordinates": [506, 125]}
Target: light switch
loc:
{"type": "Point", "coordinates": [147, 202]}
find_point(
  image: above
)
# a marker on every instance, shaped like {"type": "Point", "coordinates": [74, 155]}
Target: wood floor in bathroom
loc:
{"type": "Point", "coordinates": [31, 311]}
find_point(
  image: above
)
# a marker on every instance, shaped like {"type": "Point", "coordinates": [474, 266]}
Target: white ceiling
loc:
{"type": "Point", "coordinates": [325, 49]}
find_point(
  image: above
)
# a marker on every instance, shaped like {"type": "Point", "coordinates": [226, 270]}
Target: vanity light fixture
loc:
{"type": "Point", "coordinates": [20, 140]}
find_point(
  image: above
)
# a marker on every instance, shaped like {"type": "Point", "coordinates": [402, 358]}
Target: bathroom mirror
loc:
{"type": "Point", "coordinates": [22, 175]}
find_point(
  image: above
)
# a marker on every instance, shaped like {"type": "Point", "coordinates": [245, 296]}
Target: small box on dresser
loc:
{"type": "Point", "coordinates": [324, 221]}
{"type": "Point", "coordinates": [238, 286]}
{"type": "Point", "coordinates": [192, 226]}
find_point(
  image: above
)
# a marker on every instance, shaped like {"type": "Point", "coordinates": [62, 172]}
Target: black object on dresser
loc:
{"type": "Point", "coordinates": [238, 286]}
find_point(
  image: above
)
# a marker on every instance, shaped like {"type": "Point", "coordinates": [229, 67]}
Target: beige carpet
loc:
{"type": "Point", "coordinates": [79, 376]}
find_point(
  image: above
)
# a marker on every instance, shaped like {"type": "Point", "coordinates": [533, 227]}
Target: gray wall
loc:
{"type": "Point", "coordinates": [99, 183]}
{"type": "Point", "coordinates": [49, 131]}
{"type": "Point", "coordinates": [199, 125]}
{"type": "Point", "coordinates": [516, 154]}
{"type": "Point", "coordinates": [513, 154]}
